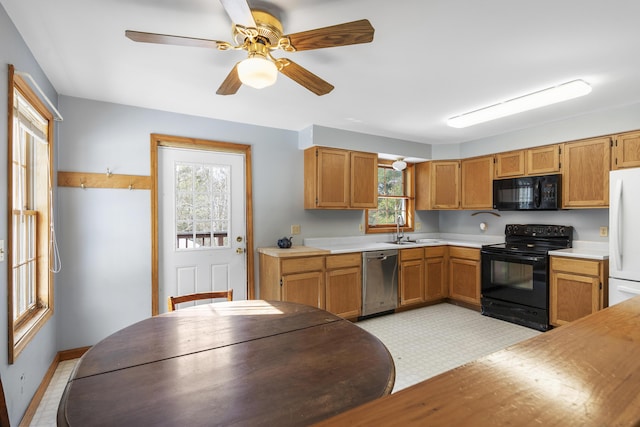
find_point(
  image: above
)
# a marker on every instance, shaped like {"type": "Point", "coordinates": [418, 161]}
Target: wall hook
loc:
{"type": "Point", "coordinates": [82, 185]}
{"type": "Point", "coordinates": [109, 173]}
{"type": "Point", "coordinates": [131, 186]}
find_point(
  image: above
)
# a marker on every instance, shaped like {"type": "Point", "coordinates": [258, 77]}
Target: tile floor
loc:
{"type": "Point", "coordinates": [423, 343]}
{"type": "Point", "coordinates": [46, 414]}
{"type": "Point", "coordinates": [428, 341]}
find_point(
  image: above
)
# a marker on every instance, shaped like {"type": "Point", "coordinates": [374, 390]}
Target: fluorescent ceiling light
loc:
{"type": "Point", "coordinates": [552, 95]}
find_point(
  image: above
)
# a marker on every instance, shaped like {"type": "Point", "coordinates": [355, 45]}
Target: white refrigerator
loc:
{"type": "Point", "coordinates": [624, 235]}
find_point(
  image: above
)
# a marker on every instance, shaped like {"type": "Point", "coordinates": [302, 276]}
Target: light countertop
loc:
{"type": "Point", "coordinates": [586, 250]}
{"type": "Point", "coordinates": [294, 251]}
{"type": "Point", "coordinates": [341, 245]}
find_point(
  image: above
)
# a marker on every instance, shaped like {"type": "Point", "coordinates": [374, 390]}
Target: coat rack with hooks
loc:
{"type": "Point", "coordinates": [103, 180]}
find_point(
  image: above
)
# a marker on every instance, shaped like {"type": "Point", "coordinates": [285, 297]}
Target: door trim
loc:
{"type": "Point", "coordinates": [160, 140]}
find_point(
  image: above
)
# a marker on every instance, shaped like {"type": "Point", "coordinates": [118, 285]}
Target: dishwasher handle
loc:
{"type": "Point", "coordinates": [379, 255]}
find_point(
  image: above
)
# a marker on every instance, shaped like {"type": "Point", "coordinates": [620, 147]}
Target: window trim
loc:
{"type": "Point", "coordinates": [22, 331]}
{"type": "Point", "coordinates": [409, 182]}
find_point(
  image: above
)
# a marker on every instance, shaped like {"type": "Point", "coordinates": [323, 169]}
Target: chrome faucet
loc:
{"type": "Point", "coordinates": [399, 219]}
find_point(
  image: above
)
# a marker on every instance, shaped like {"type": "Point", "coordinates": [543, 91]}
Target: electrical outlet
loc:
{"type": "Point", "coordinates": [1, 250]}
{"type": "Point", "coordinates": [604, 231]}
{"type": "Point", "coordinates": [361, 227]}
{"type": "Point", "coordinates": [418, 226]}
{"type": "Point", "coordinates": [295, 229]}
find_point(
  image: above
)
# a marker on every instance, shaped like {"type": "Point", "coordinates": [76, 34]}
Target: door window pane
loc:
{"type": "Point", "coordinates": [202, 205]}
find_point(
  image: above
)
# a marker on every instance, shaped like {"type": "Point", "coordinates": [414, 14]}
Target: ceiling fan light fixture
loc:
{"type": "Point", "coordinates": [399, 165]}
{"type": "Point", "coordinates": [257, 72]}
{"type": "Point", "coordinates": [552, 95]}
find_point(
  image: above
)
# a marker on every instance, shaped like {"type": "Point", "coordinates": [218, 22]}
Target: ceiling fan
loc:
{"type": "Point", "coordinates": [259, 32]}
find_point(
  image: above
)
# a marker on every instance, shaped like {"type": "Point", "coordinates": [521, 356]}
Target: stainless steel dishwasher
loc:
{"type": "Point", "coordinates": [379, 282]}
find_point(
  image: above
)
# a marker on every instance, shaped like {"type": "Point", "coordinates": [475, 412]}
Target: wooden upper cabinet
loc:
{"type": "Point", "coordinates": [445, 184]}
{"type": "Point", "coordinates": [585, 178]}
{"type": "Point", "coordinates": [364, 180]}
{"type": "Point", "coordinates": [626, 151]}
{"type": "Point", "coordinates": [510, 164]}
{"type": "Point", "coordinates": [476, 175]}
{"type": "Point", "coordinates": [340, 179]}
{"type": "Point", "coordinates": [532, 161]}
{"type": "Point", "coordinates": [544, 160]}
{"type": "Point", "coordinates": [423, 186]}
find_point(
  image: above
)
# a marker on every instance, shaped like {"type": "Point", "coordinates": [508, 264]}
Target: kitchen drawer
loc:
{"type": "Point", "coordinates": [579, 266]}
{"type": "Point", "coordinates": [344, 260]}
{"type": "Point", "coordinates": [299, 265]}
{"type": "Point", "coordinates": [464, 253]}
{"type": "Point", "coordinates": [413, 253]}
{"type": "Point", "coordinates": [435, 251]}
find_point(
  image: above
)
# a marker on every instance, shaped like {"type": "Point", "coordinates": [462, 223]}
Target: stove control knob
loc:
{"type": "Point", "coordinates": [555, 231]}
{"type": "Point", "coordinates": [549, 229]}
{"type": "Point", "coordinates": [562, 231]}
{"type": "Point", "coordinates": [508, 229]}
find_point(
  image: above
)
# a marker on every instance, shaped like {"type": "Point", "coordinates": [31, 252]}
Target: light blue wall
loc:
{"type": "Point", "coordinates": [586, 222]}
{"type": "Point", "coordinates": [606, 122]}
{"type": "Point", "coordinates": [21, 379]}
{"type": "Point", "coordinates": [106, 233]}
{"type": "Point", "coordinates": [338, 138]}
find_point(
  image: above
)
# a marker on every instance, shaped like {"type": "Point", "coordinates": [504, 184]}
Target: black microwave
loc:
{"type": "Point", "coordinates": [528, 193]}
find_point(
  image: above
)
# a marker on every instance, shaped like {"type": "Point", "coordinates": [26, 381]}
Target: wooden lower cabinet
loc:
{"type": "Point", "coordinates": [464, 275]}
{"type": "Point", "coordinates": [411, 277]}
{"type": "Point", "coordinates": [577, 288]}
{"type": "Point", "coordinates": [304, 288]}
{"type": "Point", "coordinates": [332, 282]}
{"type": "Point", "coordinates": [423, 275]}
{"type": "Point", "coordinates": [343, 285]}
{"type": "Point", "coordinates": [435, 260]}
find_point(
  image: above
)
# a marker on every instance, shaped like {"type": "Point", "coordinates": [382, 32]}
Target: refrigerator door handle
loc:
{"type": "Point", "coordinates": [617, 214]}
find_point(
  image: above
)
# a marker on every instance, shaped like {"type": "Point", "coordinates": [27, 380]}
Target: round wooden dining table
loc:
{"type": "Point", "coordinates": [230, 363]}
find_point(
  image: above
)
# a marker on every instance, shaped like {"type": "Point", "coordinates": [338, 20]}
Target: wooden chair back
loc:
{"type": "Point", "coordinates": [172, 301]}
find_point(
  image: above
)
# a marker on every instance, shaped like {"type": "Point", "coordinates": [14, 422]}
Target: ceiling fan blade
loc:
{"type": "Point", "coordinates": [231, 84]}
{"type": "Point", "coordinates": [138, 36]}
{"type": "Point", "coordinates": [239, 12]}
{"type": "Point", "coordinates": [337, 35]}
{"type": "Point", "coordinates": [304, 77]}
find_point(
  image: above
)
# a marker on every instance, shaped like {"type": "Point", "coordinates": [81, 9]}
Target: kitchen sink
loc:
{"type": "Point", "coordinates": [403, 242]}
{"type": "Point", "coordinates": [429, 241]}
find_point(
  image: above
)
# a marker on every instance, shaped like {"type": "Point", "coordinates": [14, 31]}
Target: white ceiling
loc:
{"type": "Point", "coordinates": [429, 60]}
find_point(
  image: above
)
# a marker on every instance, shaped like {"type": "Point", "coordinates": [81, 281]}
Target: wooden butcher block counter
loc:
{"type": "Point", "coordinates": [586, 373]}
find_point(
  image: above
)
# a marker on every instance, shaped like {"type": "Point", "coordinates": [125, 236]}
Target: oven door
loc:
{"type": "Point", "coordinates": [516, 278]}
